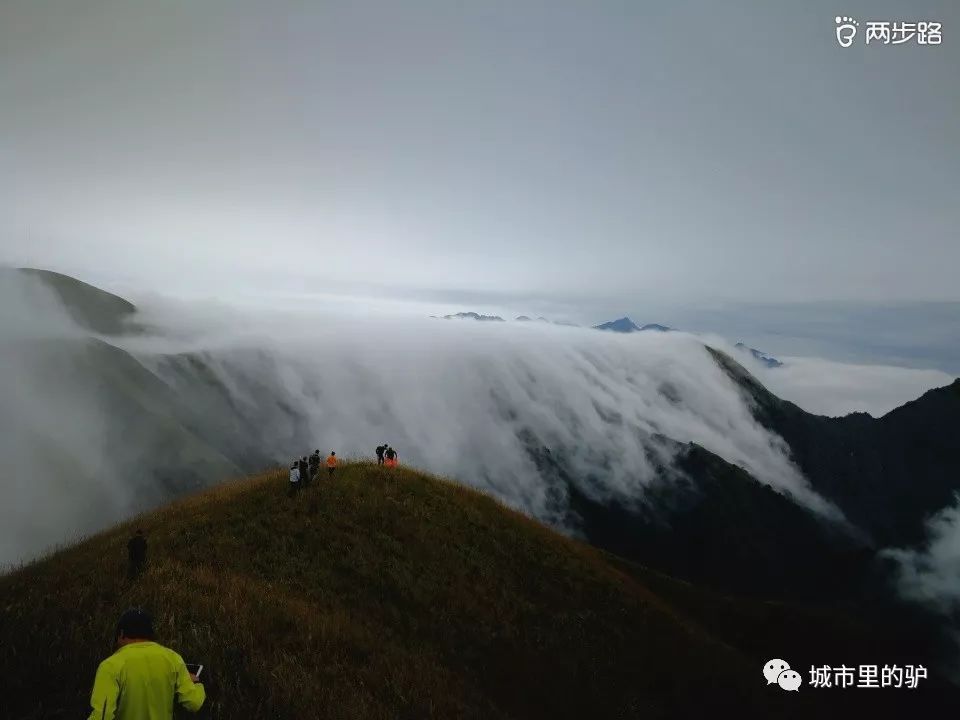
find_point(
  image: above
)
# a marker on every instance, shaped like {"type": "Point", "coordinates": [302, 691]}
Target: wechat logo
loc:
{"type": "Point", "coordinates": [779, 672]}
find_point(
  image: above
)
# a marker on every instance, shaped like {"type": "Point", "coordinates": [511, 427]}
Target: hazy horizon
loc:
{"type": "Point", "coordinates": [608, 156]}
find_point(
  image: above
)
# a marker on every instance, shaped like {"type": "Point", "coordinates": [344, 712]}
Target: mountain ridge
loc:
{"type": "Point", "coordinates": [887, 474]}
{"type": "Point", "coordinates": [762, 357]}
{"type": "Point", "coordinates": [390, 593]}
{"type": "Point", "coordinates": [392, 570]}
{"type": "Point", "coordinates": [90, 307]}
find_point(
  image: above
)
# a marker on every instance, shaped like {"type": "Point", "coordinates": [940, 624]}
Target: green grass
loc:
{"type": "Point", "coordinates": [381, 594]}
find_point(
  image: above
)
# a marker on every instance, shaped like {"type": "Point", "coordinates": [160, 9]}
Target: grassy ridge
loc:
{"type": "Point", "coordinates": [381, 594]}
{"type": "Point", "coordinates": [89, 306]}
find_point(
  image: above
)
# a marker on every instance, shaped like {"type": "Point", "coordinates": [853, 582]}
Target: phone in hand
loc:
{"type": "Point", "coordinates": [194, 669]}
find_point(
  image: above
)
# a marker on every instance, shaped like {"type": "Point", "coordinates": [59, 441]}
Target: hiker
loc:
{"type": "Point", "coordinates": [137, 554]}
{"type": "Point", "coordinates": [380, 449]}
{"type": "Point", "coordinates": [314, 464]}
{"type": "Point", "coordinates": [391, 457]}
{"type": "Point", "coordinates": [142, 678]}
{"type": "Point", "coordinates": [306, 472]}
{"type": "Point", "coordinates": [331, 463]}
{"type": "Point", "coordinates": [294, 484]}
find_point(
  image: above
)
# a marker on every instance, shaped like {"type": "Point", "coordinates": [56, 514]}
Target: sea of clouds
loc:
{"type": "Point", "coordinates": [458, 398]}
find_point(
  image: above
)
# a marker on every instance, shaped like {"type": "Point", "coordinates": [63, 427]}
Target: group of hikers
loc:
{"type": "Point", "coordinates": [144, 679]}
{"type": "Point", "coordinates": [386, 455]}
{"type": "Point", "coordinates": [304, 470]}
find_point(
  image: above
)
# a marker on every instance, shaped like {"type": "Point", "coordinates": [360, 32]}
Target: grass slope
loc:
{"type": "Point", "coordinates": [381, 594]}
{"type": "Point", "coordinates": [91, 307]}
{"type": "Point", "coordinates": [376, 595]}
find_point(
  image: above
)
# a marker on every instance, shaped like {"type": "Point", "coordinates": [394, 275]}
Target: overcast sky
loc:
{"type": "Point", "coordinates": [612, 154]}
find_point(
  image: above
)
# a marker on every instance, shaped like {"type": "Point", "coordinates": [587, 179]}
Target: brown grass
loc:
{"type": "Point", "coordinates": [381, 594]}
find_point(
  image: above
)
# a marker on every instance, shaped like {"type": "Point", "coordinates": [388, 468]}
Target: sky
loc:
{"type": "Point", "coordinates": [690, 162]}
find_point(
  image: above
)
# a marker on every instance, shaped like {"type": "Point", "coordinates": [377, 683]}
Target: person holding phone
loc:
{"type": "Point", "coordinates": [142, 679]}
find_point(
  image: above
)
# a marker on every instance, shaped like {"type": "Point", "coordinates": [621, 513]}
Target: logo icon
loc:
{"type": "Point", "coordinates": [778, 672]}
{"type": "Point", "coordinates": [846, 30]}
{"type": "Point", "coordinates": [789, 680]}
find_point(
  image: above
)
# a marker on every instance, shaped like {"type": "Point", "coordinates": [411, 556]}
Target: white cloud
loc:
{"type": "Point", "coordinates": [831, 388]}
{"type": "Point", "coordinates": [451, 396]}
{"type": "Point", "coordinates": [932, 575]}
{"type": "Point", "coordinates": [437, 389]}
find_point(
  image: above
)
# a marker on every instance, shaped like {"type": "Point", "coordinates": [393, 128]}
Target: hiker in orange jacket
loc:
{"type": "Point", "coordinates": [391, 455]}
{"type": "Point", "coordinates": [331, 463]}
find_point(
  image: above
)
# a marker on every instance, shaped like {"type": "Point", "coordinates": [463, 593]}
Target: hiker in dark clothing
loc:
{"type": "Point", "coordinates": [304, 467]}
{"type": "Point", "coordinates": [380, 449]}
{"type": "Point", "coordinates": [391, 455]}
{"type": "Point", "coordinates": [137, 552]}
{"type": "Point", "coordinates": [314, 464]}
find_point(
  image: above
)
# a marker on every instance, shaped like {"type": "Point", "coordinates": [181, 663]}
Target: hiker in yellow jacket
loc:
{"type": "Point", "coordinates": [141, 680]}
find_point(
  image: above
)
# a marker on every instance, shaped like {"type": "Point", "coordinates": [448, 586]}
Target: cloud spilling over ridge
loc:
{"type": "Point", "coordinates": [831, 388]}
{"type": "Point", "coordinates": [932, 575]}
{"type": "Point", "coordinates": [456, 398]}
{"type": "Point", "coordinates": [256, 385]}
{"type": "Point", "coordinates": [58, 478]}
{"type": "Point", "coordinates": [238, 386]}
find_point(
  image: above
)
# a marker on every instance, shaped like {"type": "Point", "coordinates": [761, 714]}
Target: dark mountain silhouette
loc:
{"type": "Point", "coordinates": [709, 522]}
{"type": "Point", "coordinates": [701, 498]}
{"type": "Point", "coordinates": [887, 474]}
{"type": "Point", "coordinates": [623, 325]}
{"type": "Point", "coordinates": [763, 357]}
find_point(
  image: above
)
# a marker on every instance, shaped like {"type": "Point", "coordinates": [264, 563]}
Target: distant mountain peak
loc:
{"type": "Point", "coordinates": [768, 360]}
{"type": "Point", "coordinates": [623, 325]}
{"type": "Point", "coordinates": [473, 316]}
{"type": "Point", "coordinates": [626, 325]}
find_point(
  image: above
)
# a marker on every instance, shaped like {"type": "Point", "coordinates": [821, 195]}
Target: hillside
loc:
{"type": "Point", "coordinates": [110, 437]}
{"type": "Point", "coordinates": [89, 306]}
{"type": "Point", "coordinates": [887, 474]}
{"type": "Point", "coordinates": [396, 595]}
